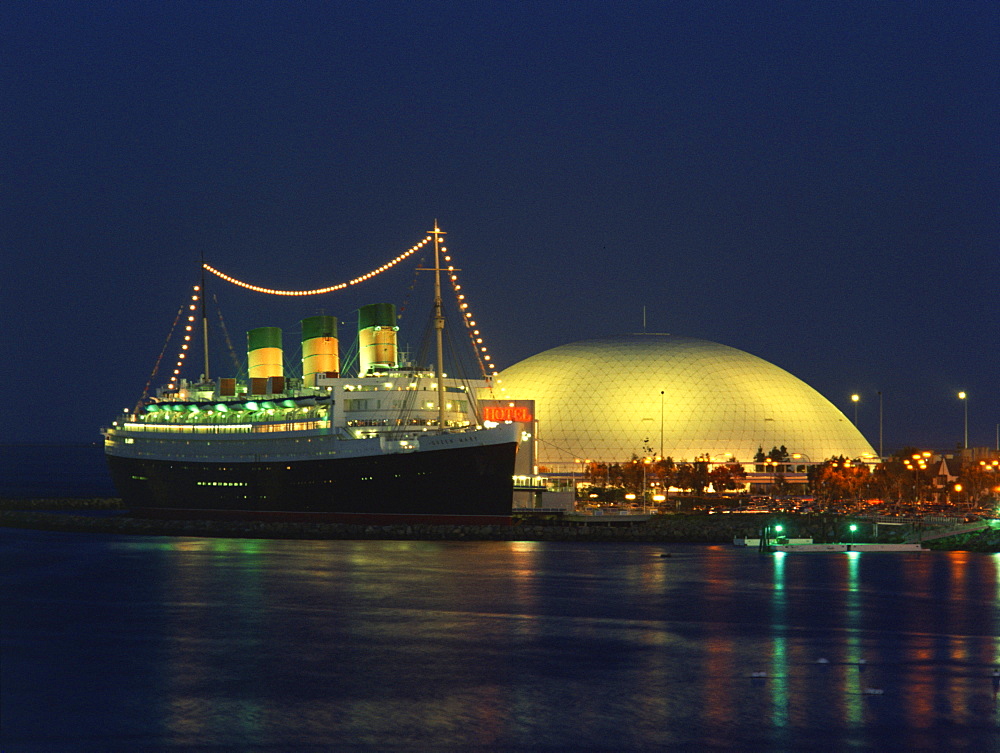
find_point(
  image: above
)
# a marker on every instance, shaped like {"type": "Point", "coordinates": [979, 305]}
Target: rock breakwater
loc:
{"type": "Point", "coordinates": [107, 516]}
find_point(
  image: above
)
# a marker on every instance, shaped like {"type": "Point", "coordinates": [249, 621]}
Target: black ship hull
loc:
{"type": "Point", "coordinates": [464, 485]}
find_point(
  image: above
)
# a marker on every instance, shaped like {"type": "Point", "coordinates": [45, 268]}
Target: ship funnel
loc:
{"type": "Point", "coordinates": [320, 349]}
{"type": "Point", "coordinates": [264, 357]}
{"type": "Point", "coordinates": [377, 338]}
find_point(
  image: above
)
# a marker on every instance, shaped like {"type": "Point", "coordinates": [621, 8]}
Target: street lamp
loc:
{"type": "Point", "coordinates": [661, 424]}
{"type": "Point", "coordinates": [965, 402]}
{"type": "Point", "coordinates": [854, 399]}
{"type": "Point", "coordinates": [853, 529]}
{"type": "Point", "coordinates": [917, 463]}
{"type": "Point", "coordinates": [645, 488]}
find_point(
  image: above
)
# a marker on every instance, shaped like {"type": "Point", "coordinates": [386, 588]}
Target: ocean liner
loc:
{"type": "Point", "coordinates": [392, 443]}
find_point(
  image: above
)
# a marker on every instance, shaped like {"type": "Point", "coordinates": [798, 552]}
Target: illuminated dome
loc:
{"type": "Point", "coordinates": [601, 400]}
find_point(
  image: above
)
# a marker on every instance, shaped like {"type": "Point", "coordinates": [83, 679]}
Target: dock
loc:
{"type": "Point", "coordinates": [790, 547]}
{"type": "Point", "coordinates": [755, 542]}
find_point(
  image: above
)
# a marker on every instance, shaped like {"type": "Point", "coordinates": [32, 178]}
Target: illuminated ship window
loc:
{"type": "Point", "coordinates": [361, 404]}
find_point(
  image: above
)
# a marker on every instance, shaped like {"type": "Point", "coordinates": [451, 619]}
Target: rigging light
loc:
{"type": "Point", "coordinates": [317, 291]}
{"type": "Point", "coordinates": [450, 270]}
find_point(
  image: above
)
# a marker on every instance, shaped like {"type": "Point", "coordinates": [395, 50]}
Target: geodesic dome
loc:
{"type": "Point", "coordinates": [601, 400]}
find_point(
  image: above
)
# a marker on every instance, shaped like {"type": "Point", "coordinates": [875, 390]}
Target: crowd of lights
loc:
{"type": "Point", "coordinates": [919, 460]}
{"type": "Point", "coordinates": [329, 289]}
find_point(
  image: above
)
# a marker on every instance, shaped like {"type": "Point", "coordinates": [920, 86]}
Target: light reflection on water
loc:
{"type": "Point", "coordinates": [290, 644]}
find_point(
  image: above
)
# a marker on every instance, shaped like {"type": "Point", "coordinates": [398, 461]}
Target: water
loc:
{"type": "Point", "coordinates": [54, 471]}
{"type": "Point", "coordinates": [129, 643]}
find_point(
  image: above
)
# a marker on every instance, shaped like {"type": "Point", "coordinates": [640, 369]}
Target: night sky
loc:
{"type": "Point", "coordinates": [816, 183]}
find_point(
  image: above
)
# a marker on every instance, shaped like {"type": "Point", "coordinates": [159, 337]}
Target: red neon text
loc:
{"type": "Point", "coordinates": [507, 413]}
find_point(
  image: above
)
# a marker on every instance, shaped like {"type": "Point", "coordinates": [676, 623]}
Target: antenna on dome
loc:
{"type": "Point", "coordinates": [643, 320]}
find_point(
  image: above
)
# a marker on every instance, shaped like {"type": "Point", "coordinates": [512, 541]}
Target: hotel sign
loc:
{"type": "Point", "coordinates": [506, 413]}
{"type": "Point", "coordinates": [508, 410]}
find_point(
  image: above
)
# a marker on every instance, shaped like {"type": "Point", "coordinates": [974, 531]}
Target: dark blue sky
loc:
{"type": "Point", "coordinates": [814, 183]}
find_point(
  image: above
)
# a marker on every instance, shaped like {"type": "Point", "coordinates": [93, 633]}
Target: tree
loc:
{"type": "Point", "coordinates": [838, 478]}
{"type": "Point", "coordinates": [979, 480]}
{"type": "Point", "coordinates": [596, 473]}
{"type": "Point", "coordinates": [892, 481]}
{"type": "Point", "coordinates": [664, 472]}
{"type": "Point", "coordinates": [727, 477]}
{"type": "Point", "coordinates": [692, 476]}
{"type": "Point", "coordinates": [778, 454]}
{"type": "Point", "coordinates": [633, 474]}
{"type": "Point", "coordinates": [616, 475]}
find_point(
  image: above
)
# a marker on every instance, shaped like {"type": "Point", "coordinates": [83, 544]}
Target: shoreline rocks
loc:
{"type": "Point", "coordinates": [59, 515]}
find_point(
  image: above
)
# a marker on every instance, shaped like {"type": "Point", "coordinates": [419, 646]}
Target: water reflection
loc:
{"type": "Point", "coordinates": [779, 650]}
{"type": "Point", "coordinates": [723, 673]}
{"type": "Point", "coordinates": [995, 562]}
{"type": "Point", "coordinates": [862, 654]}
{"type": "Point", "coordinates": [240, 644]}
{"type": "Point", "coordinates": [854, 685]}
{"type": "Point", "coordinates": [195, 672]}
{"type": "Point", "coordinates": [504, 638]}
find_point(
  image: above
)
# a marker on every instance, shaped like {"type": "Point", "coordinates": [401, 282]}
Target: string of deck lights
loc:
{"type": "Point", "coordinates": [482, 353]}
{"type": "Point", "coordinates": [329, 289]}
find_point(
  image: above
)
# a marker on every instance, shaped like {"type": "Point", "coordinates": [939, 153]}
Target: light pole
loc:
{"type": "Point", "coordinates": [880, 455]}
{"type": "Point", "coordinates": [853, 529]}
{"type": "Point", "coordinates": [965, 402]}
{"type": "Point", "coordinates": [661, 424]}
{"type": "Point", "coordinates": [855, 399]}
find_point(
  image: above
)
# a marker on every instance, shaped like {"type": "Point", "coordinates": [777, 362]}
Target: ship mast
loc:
{"type": "Point", "coordinates": [439, 324]}
{"type": "Point", "coordinates": [204, 317]}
